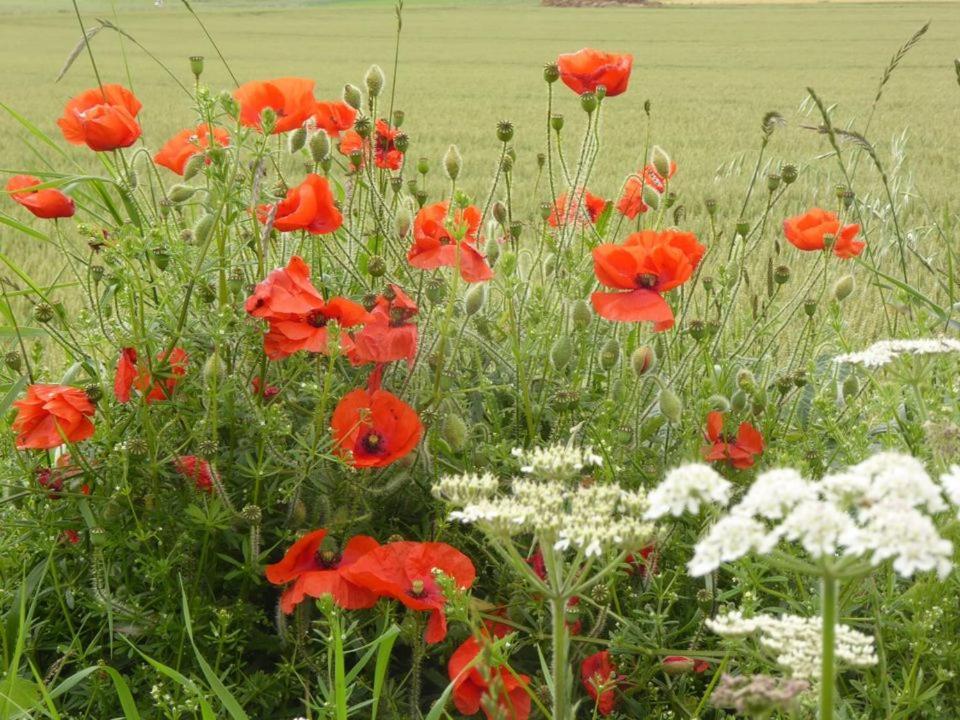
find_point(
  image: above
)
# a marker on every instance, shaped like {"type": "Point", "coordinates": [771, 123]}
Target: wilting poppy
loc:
{"type": "Point", "coordinates": [680, 665]}
{"type": "Point", "coordinates": [388, 335]}
{"type": "Point", "coordinates": [334, 117]}
{"type": "Point", "coordinates": [374, 428]}
{"type": "Point", "coordinates": [647, 264]}
{"type": "Point", "coordinates": [50, 415]}
{"type": "Point", "coordinates": [297, 315]}
{"type": "Point", "coordinates": [739, 450]}
{"type": "Point", "coordinates": [631, 202]}
{"type": "Point", "coordinates": [472, 688]}
{"type": "Point", "coordinates": [187, 143]}
{"type": "Point", "coordinates": [644, 563]}
{"type": "Point", "coordinates": [808, 232]}
{"type": "Point", "coordinates": [308, 206]}
{"type": "Point", "coordinates": [125, 375]}
{"type": "Point", "coordinates": [167, 371]}
{"type": "Point", "coordinates": [572, 213]}
{"type": "Point", "coordinates": [196, 469]}
{"type": "Point", "coordinates": [584, 71]}
{"type": "Point", "coordinates": [47, 203]}
{"type": "Point", "coordinates": [264, 390]}
{"type": "Point", "coordinates": [290, 98]}
{"type": "Point", "coordinates": [102, 119]}
{"type": "Point", "coordinates": [439, 241]}
{"type": "Point", "coordinates": [405, 571]}
{"type": "Point", "coordinates": [315, 568]}
{"type": "Point", "coordinates": [599, 677]}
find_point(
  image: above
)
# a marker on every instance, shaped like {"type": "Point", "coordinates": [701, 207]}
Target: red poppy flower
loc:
{"type": "Point", "coordinates": [599, 677]}
{"type": "Point", "coordinates": [388, 335]}
{"type": "Point", "coordinates": [309, 206]}
{"type": "Point", "coordinates": [539, 567]}
{"type": "Point", "coordinates": [472, 688]}
{"type": "Point", "coordinates": [631, 202]}
{"type": "Point", "coordinates": [268, 391]}
{"type": "Point", "coordinates": [197, 469]}
{"type": "Point", "coordinates": [350, 142]}
{"type": "Point", "coordinates": [644, 563]}
{"type": "Point", "coordinates": [647, 264]}
{"type": "Point", "coordinates": [50, 415]}
{"type": "Point", "coordinates": [334, 117]}
{"type": "Point", "coordinates": [385, 152]}
{"type": "Point", "coordinates": [187, 143]}
{"type": "Point", "coordinates": [71, 537]}
{"type": "Point", "coordinates": [739, 451]}
{"type": "Point", "coordinates": [167, 373]}
{"type": "Point", "coordinates": [404, 571]}
{"type": "Point", "coordinates": [297, 314]}
{"type": "Point", "coordinates": [680, 664]}
{"type": "Point", "coordinates": [807, 231]}
{"type": "Point", "coordinates": [374, 428]}
{"type": "Point", "coordinates": [573, 213]}
{"type": "Point", "coordinates": [48, 203]}
{"type": "Point", "coordinates": [317, 569]}
{"type": "Point", "coordinates": [436, 243]}
{"type": "Point", "coordinates": [584, 71]}
{"type": "Point", "coordinates": [290, 98]}
{"type": "Point", "coordinates": [125, 375]}
{"type": "Point", "coordinates": [101, 119]}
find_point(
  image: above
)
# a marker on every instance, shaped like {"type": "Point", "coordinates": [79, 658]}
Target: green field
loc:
{"type": "Point", "coordinates": [710, 73]}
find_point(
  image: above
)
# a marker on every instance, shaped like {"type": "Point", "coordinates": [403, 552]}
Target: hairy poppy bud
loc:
{"type": "Point", "coordinates": [43, 313]}
{"type": "Point", "coordinates": [743, 228]}
{"type": "Point", "coordinates": [454, 430]}
{"type": "Point", "coordinates": [181, 193]}
{"type": "Point", "coordinates": [560, 352]}
{"type": "Point", "coordinates": [376, 266]}
{"type": "Point", "coordinates": [789, 174]}
{"type": "Point", "coordinates": [810, 307]}
{"type": "Point", "coordinates": [507, 163]}
{"type": "Point", "coordinates": [609, 354]}
{"type": "Point", "coordinates": [436, 290]}
{"type": "Point", "coordinates": [201, 231]}
{"type": "Point", "coordinates": [781, 275]}
{"type": "Point", "coordinates": [660, 160]}
{"type": "Point", "coordinates": [491, 248]}
{"type": "Point", "coordinates": [319, 147]}
{"type": "Point", "coordinates": [738, 401]}
{"type": "Point", "coordinates": [588, 101]}
{"type": "Point", "coordinates": [711, 205]}
{"type": "Point", "coordinates": [843, 287]}
{"type": "Point", "coordinates": [642, 360]}
{"type": "Point", "coordinates": [850, 387]}
{"type": "Point", "coordinates": [268, 120]}
{"type": "Point", "coordinates": [352, 96]}
{"type": "Point", "coordinates": [13, 360]}
{"type": "Point", "coordinates": [718, 402]}
{"type": "Point", "coordinates": [500, 212]}
{"type": "Point", "coordinates": [452, 162]}
{"type": "Point", "coordinates": [212, 368]}
{"type": "Point", "coordinates": [402, 221]}
{"type": "Point", "coordinates": [746, 380]}
{"type": "Point", "coordinates": [581, 314]}
{"type": "Point", "coordinates": [296, 140]}
{"type": "Point", "coordinates": [375, 80]}
{"type": "Point", "coordinates": [651, 197]}
{"type": "Point", "coordinates": [504, 131]}
{"type": "Point", "coordinates": [556, 122]}
{"type": "Point", "coordinates": [473, 300]}
{"type": "Point", "coordinates": [193, 165]}
{"type": "Point", "coordinates": [670, 406]}
{"type": "Point", "coordinates": [229, 104]}
{"type": "Point", "coordinates": [551, 73]}
{"type": "Point", "coordinates": [196, 66]}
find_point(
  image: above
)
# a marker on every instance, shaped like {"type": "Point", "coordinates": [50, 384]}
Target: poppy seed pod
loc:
{"type": "Point", "coordinates": [743, 228]}
{"type": "Point", "coordinates": [319, 147]}
{"type": "Point", "coordinates": [421, 197]}
{"type": "Point", "coordinates": [436, 290]}
{"type": "Point", "coordinates": [454, 431]}
{"type": "Point", "coordinates": [843, 287]}
{"type": "Point", "coordinates": [670, 406]}
{"type": "Point", "coordinates": [473, 300]}
{"type": "Point", "coordinates": [642, 360]}
{"type": "Point", "coordinates": [297, 139]}
{"type": "Point", "coordinates": [810, 307]}
{"type": "Point", "coordinates": [560, 352]}
{"type": "Point", "coordinates": [363, 126]}
{"type": "Point", "coordinates": [789, 174]}
{"type": "Point", "coordinates": [516, 228]}
{"type": "Point", "coordinates": [352, 96]}
{"type": "Point", "coordinates": [541, 160]}
{"type": "Point", "coordinates": [375, 80]}
{"type": "Point", "coordinates": [711, 205]}
{"type": "Point", "coordinates": [504, 131]}
{"type": "Point", "coordinates": [196, 66]}
{"type": "Point", "coordinates": [398, 117]}
{"type": "Point", "coordinates": [781, 275]}
{"type": "Point", "coordinates": [773, 181]}
{"type": "Point", "coordinates": [551, 73]}
{"type": "Point", "coordinates": [356, 158]}
{"type": "Point", "coordinates": [13, 360]}
{"type": "Point", "coordinates": [376, 266]}
{"type": "Point", "coordinates": [581, 314]}
{"type": "Point", "coordinates": [42, 312]}
{"type": "Point", "coordinates": [660, 160]}
{"type": "Point", "coordinates": [452, 162]}
{"type": "Point", "coordinates": [423, 166]}
{"type": "Point", "coordinates": [609, 354]}
{"type": "Point", "coordinates": [193, 165]}
{"type": "Point", "coordinates": [401, 142]}
{"type": "Point", "coordinates": [161, 258]}
{"type": "Point", "coordinates": [556, 122]}
{"type": "Point", "coordinates": [507, 163]}
{"type": "Point", "coordinates": [588, 101]}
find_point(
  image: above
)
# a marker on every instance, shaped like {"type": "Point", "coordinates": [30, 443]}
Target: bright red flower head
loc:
{"type": "Point", "coordinates": [297, 314]}
{"type": "Point", "coordinates": [631, 202]}
{"type": "Point", "coordinates": [739, 450]}
{"type": "Point", "coordinates": [472, 689]}
{"type": "Point", "coordinates": [290, 98]}
{"type": "Point", "coordinates": [374, 428]}
{"type": "Point", "coordinates": [404, 571]}
{"type": "Point", "coordinates": [187, 143]}
{"type": "Point", "coordinates": [572, 213]}
{"type": "Point", "coordinates": [50, 415]}
{"type": "Point", "coordinates": [436, 243]}
{"type": "Point", "coordinates": [316, 569]}
{"type": "Point", "coordinates": [264, 390]}
{"type": "Point", "coordinates": [644, 563]}
{"type": "Point", "coordinates": [167, 371]}
{"type": "Point", "coordinates": [385, 153]}
{"type": "Point", "coordinates": [48, 203]}
{"type": "Point", "coordinates": [680, 665]}
{"type": "Point", "coordinates": [308, 206]}
{"type": "Point", "coordinates": [196, 469]}
{"type": "Point", "coordinates": [102, 119]}
{"type": "Point", "coordinates": [125, 375]}
{"type": "Point", "coordinates": [599, 677]}
{"type": "Point", "coordinates": [584, 71]}
{"type": "Point", "coordinates": [388, 335]}
{"type": "Point", "coordinates": [334, 117]}
{"type": "Point", "coordinates": [807, 232]}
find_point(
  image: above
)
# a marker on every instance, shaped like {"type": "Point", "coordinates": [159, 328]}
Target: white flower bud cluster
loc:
{"type": "Point", "coordinates": [466, 488]}
{"type": "Point", "coordinates": [685, 488]}
{"type": "Point", "coordinates": [556, 461]}
{"type": "Point", "coordinates": [886, 351]}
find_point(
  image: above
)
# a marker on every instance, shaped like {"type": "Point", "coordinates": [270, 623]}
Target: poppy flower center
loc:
{"type": "Point", "coordinates": [327, 559]}
{"type": "Point", "coordinates": [372, 442]}
{"type": "Point", "coordinates": [646, 280]}
{"type": "Point", "coordinates": [417, 588]}
{"type": "Point", "coordinates": [317, 319]}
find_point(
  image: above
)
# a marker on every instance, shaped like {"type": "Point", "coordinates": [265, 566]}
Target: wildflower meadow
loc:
{"type": "Point", "coordinates": [303, 421]}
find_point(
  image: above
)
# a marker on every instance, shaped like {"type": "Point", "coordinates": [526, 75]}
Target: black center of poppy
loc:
{"type": "Point", "coordinates": [372, 442]}
{"type": "Point", "coordinates": [326, 559]}
{"type": "Point", "coordinates": [417, 589]}
{"type": "Point", "coordinates": [317, 319]}
{"type": "Point", "coordinates": [646, 280]}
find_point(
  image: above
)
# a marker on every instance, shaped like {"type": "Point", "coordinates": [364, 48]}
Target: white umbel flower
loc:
{"type": "Point", "coordinates": [685, 488]}
{"type": "Point", "coordinates": [465, 488]}
{"type": "Point", "coordinates": [886, 351]}
{"type": "Point", "coordinates": [556, 461]}
{"type": "Point", "coordinates": [775, 493]}
{"type": "Point", "coordinates": [733, 537]}
{"type": "Point", "coordinates": [895, 530]}
{"type": "Point", "coordinates": [818, 526]}
{"type": "Point", "coordinates": [950, 481]}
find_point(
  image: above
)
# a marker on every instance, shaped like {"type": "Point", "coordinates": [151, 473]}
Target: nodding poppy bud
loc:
{"type": "Point", "coordinates": [556, 122]}
{"type": "Point", "coordinates": [718, 402]}
{"type": "Point", "coordinates": [843, 287]}
{"type": "Point", "coordinates": [781, 275]}
{"type": "Point", "coordinates": [581, 314]}
{"type": "Point", "coordinates": [181, 193]}
{"type": "Point", "coordinates": [651, 197]}
{"type": "Point", "coordinates": [491, 249]}
{"type": "Point", "coordinates": [560, 352]}
{"type": "Point", "coordinates": [193, 165]}
{"type": "Point", "coordinates": [850, 387]}
{"type": "Point", "coordinates": [746, 380]}
{"type": "Point", "coordinates": [711, 205]}
{"type": "Point", "coordinates": [588, 101]}
{"type": "Point", "coordinates": [212, 368]}
{"type": "Point", "coordinates": [201, 231]}
{"type": "Point", "coordinates": [268, 120]}
{"type": "Point", "coordinates": [504, 131]}
{"type": "Point", "coordinates": [376, 266]}
{"type": "Point", "coordinates": [421, 198]}
{"type": "Point", "coordinates": [375, 80]}
{"type": "Point", "coordinates": [789, 174]}
{"type": "Point", "coordinates": [401, 142]}
{"type": "Point", "coordinates": [609, 354]}
{"type": "Point", "coordinates": [423, 166]}
{"type": "Point", "coordinates": [297, 139]}
{"type": "Point", "coordinates": [43, 313]}
{"type": "Point", "coordinates": [743, 228]}
{"type": "Point", "coordinates": [661, 161]}
{"type": "Point", "coordinates": [670, 406]}
{"type": "Point", "coordinates": [799, 378]}
{"type": "Point", "coordinates": [500, 212]}
{"type": "Point", "coordinates": [196, 66]}
{"type": "Point", "coordinates": [363, 125]}
{"type": "Point", "coordinates": [13, 360]}
{"type": "Point", "coordinates": [319, 147]}
{"type": "Point", "coordinates": [436, 290]}
{"type": "Point", "coordinates": [738, 401]}
{"type": "Point", "coordinates": [454, 430]}
{"type": "Point", "coordinates": [810, 307]}
{"type": "Point", "coordinates": [452, 162]}
{"type": "Point", "coordinates": [229, 104]}
{"type": "Point", "coordinates": [698, 330]}
{"type": "Point", "coordinates": [352, 96]}
{"type": "Point", "coordinates": [398, 117]}
{"type": "Point", "coordinates": [773, 181]}
{"type": "Point", "coordinates": [642, 360]}
{"type": "Point", "coordinates": [402, 221]}
{"type": "Point", "coordinates": [161, 258]}
{"type": "Point", "coordinates": [551, 73]}
{"type": "Point", "coordinates": [473, 300]}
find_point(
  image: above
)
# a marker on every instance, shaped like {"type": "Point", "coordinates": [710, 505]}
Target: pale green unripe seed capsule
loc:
{"type": "Point", "coordinates": [851, 386]}
{"type": "Point", "coordinates": [319, 147]}
{"type": "Point", "coordinates": [609, 354]}
{"type": "Point", "coordinates": [561, 352]}
{"type": "Point", "coordinates": [375, 80]}
{"type": "Point", "coordinates": [452, 162]}
{"type": "Point", "coordinates": [581, 314]}
{"type": "Point", "coordinates": [661, 161]}
{"type": "Point", "coordinates": [193, 166]}
{"type": "Point", "coordinates": [718, 402]}
{"type": "Point", "coordinates": [454, 431]}
{"type": "Point", "coordinates": [670, 406]}
{"type": "Point", "coordinates": [474, 299]}
{"type": "Point", "coordinates": [642, 359]}
{"type": "Point", "coordinates": [843, 288]}
{"type": "Point", "coordinates": [588, 101]}
{"type": "Point", "coordinates": [376, 266]}
{"type": "Point", "coordinates": [296, 140]}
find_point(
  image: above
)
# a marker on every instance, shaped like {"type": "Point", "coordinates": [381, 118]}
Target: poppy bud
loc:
{"type": "Point", "coordinates": [13, 360]}
{"type": "Point", "coordinates": [402, 221]}
{"type": "Point", "coordinates": [454, 431]}
{"type": "Point", "coordinates": [784, 384]}
{"type": "Point", "coordinates": [196, 66]}
{"type": "Point", "coordinates": [556, 122]}
{"type": "Point", "coordinates": [670, 406]}
{"type": "Point", "coordinates": [500, 212]}
{"type": "Point", "coordinates": [581, 314]}
{"type": "Point", "coordinates": [609, 354]}
{"type": "Point", "coordinates": [551, 73]}
{"type": "Point", "coordinates": [268, 120]}
{"type": "Point", "coordinates": [491, 247]}
{"type": "Point", "coordinates": [504, 131]}
{"type": "Point", "coordinates": [423, 166]}
{"type": "Point", "coordinates": [363, 125]}
{"type": "Point", "coordinates": [376, 266]}
{"type": "Point", "coordinates": [718, 402]}
{"type": "Point", "coordinates": [436, 290]}
{"type": "Point", "coordinates": [319, 147]}
{"type": "Point", "coordinates": [810, 307]}
{"type": "Point", "coordinates": [452, 162]}
{"type": "Point", "coordinates": [651, 198]}
{"type": "Point", "coordinates": [212, 369]}
{"type": "Point", "coordinates": [561, 352]}
{"type": "Point", "coordinates": [746, 380]}
{"type": "Point", "coordinates": [398, 117]}
{"type": "Point", "coordinates": [781, 275]}
{"type": "Point", "coordinates": [789, 174]}
{"type": "Point", "coordinates": [473, 300]}
{"type": "Point", "coordinates": [661, 161]}
{"type": "Point", "coordinates": [588, 101]}
{"type": "Point", "coordinates": [43, 313]}
{"type": "Point", "coordinates": [711, 205]}
{"type": "Point", "coordinates": [743, 228]}
{"type": "Point", "coordinates": [850, 387]}
{"type": "Point", "coordinates": [800, 378]}
{"type": "Point", "coordinates": [843, 287]}
{"type": "Point", "coordinates": [375, 80]}
{"type": "Point", "coordinates": [161, 258]}
{"type": "Point", "coordinates": [352, 96]}
{"type": "Point", "coordinates": [181, 193]}
{"type": "Point", "coordinates": [738, 401]}
{"type": "Point", "coordinates": [201, 231]}
{"type": "Point", "coordinates": [297, 139]}
{"type": "Point", "coordinates": [193, 165]}
{"type": "Point", "coordinates": [642, 359]}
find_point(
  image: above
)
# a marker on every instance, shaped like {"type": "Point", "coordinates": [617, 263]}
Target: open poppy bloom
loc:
{"type": "Point", "coordinates": [47, 203]}
{"type": "Point", "coordinates": [438, 242]}
{"type": "Point", "coordinates": [187, 143]}
{"type": "Point", "coordinates": [50, 415]}
{"type": "Point", "coordinates": [125, 375]}
{"type": "Point", "coordinates": [308, 206]}
{"type": "Point", "coordinates": [102, 119]}
{"type": "Point", "coordinates": [644, 563]}
{"type": "Point", "coordinates": [374, 428]}
{"type": "Point", "coordinates": [584, 71]}
{"type": "Point", "coordinates": [315, 568]}
{"type": "Point", "coordinates": [648, 264]}
{"type": "Point", "coordinates": [572, 213]}
{"type": "Point", "coordinates": [297, 314]}
{"type": "Point", "coordinates": [385, 153]}
{"type": "Point", "coordinates": [599, 678]}
{"type": "Point", "coordinates": [334, 117]}
{"type": "Point", "coordinates": [472, 688]}
{"type": "Point", "coordinates": [680, 665]}
{"type": "Point", "coordinates": [197, 469]}
{"type": "Point", "coordinates": [388, 335]}
{"type": "Point", "coordinates": [405, 571]}
{"type": "Point", "coordinates": [739, 450]}
{"type": "Point", "coordinates": [631, 202]}
{"type": "Point", "coordinates": [167, 373]}
{"type": "Point", "coordinates": [808, 231]}
{"type": "Point", "coordinates": [291, 98]}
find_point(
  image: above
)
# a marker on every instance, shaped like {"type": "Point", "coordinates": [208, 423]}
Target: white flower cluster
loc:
{"type": "Point", "coordinates": [796, 641]}
{"type": "Point", "coordinates": [465, 488]}
{"type": "Point", "coordinates": [556, 461]}
{"type": "Point", "coordinates": [886, 351]}
{"type": "Point", "coordinates": [878, 510]}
